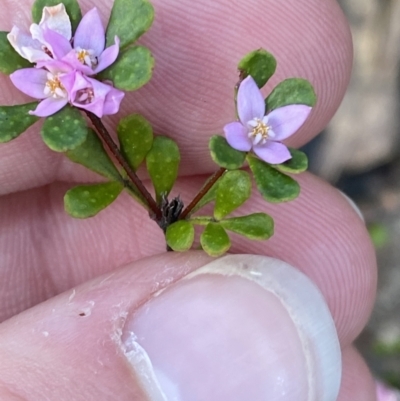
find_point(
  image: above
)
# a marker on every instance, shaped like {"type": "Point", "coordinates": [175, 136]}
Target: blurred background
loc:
{"type": "Point", "coordinates": [360, 154]}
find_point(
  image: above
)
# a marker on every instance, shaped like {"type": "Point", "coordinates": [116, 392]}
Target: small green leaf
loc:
{"type": "Point", "coordinates": [64, 130]}
{"type": "Point", "coordinates": [233, 190]}
{"type": "Point", "coordinates": [297, 164]}
{"type": "Point", "coordinates": [133, 69]}
{"type": "Point", "coordinates": [257, 226]}
{"type": "Point", "coordinates": [135, 136]}
{"type": "Point", "coordinates": [87, 200]}
{"type": "Point", "coordinates": [214, 240]}
{"type": "Point", "coordinates": [14, 120]}
{"type": "Point", "coordinates": [291, 91]}
{"type": "Point", "coordinates": [129, 20]}
{"type": "Point", "coordinates": [72, 7]}
{"type": "Point", "coordinates": [93, 156]}
{"type": "Point", "coordinates": [224, 155]}
{"type": "Point", "coordinates": [202, 220]}
{"type": "Point", "coordinates": [162, 164]}
{"type": "Point", "coordinates": [260, 64]}
{"type": "Point", "coordinates": [273, 185]}
{"type": "Point", "coordinates": [10, 60]}
{"type": "Point", "coordinates": [180, 236]}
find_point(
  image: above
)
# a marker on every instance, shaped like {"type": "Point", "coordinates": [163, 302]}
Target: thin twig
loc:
{"type": "Point", "coordinates": [102, 131]}
{"type": "Point", "coordinates": [217, 175]}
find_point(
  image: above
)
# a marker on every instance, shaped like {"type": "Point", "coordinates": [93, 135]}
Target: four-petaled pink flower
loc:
{"type": "Point", "coordinates": [60, 76]}
{"type": "Point", "coordinates": [261, 132]}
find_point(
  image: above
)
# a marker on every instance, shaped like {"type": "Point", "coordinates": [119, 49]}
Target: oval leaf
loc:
{"type": "Point", "coordinates": [64, 130]}
{"type": "Point", "coordinates": [257, 226]}
{"type": "Point", "coordinates": [10, 60]}
{"type": "Point", "coordinates": [14, 120]}
{"type": "Point", "coordinates": [133, 69]}
{"type": "Point", "coordinates": [291, 91]}
{"type": "Point", "coordinates": [233, 190]}
{"type": "Point", "coordinates": [88, 200]}
{"type": "Point", "coordinates": [260, 64]}
{"type": "Point", "coordinates": [162, 164]}
{"type": "Point", "coordinates": [129, 20]}
{"type": "Point", "coordinates": [93, 156]}
{"type": "Point", "coordinates": [297, 164]}
{"type": "Point", "coordinates": [224, 155]}
{"type": "Point", "coordinates": [273, 185]}
{"type": "Point", "coordinates": [72, 7]}
{"type": "Point", "coordinates": [214, 240]}
{"type": "Point", "coordinates": [135, 136]}
{"type": "Point", "coordinates": [180, 236]}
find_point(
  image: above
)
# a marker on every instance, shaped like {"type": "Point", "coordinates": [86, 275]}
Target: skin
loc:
{"type": "Point", "coordinates": [44, 252]}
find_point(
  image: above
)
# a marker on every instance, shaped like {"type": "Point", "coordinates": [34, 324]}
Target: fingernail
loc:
{"type": "Point", "coordinates": [384, 393]}
{"type": "Point", "coordinates": [354, 206]}
{"type": "Point", "coordinates": [241, 328]}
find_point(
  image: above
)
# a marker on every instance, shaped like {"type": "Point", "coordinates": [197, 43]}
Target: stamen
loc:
{"type": "Point", "coordinates": [54, 87]}
{"type": "Point", "coordinates": [84, 96]}
{"type": "Point", "coordinates": [86, 57]}
{"type": "Point", "coordinates": [259, 131]}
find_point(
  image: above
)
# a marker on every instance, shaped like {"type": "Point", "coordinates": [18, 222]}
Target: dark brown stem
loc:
{"type": "Point", "coordinates": [217, 175]}
{"type": "Point", "coordinates": [102, 131]}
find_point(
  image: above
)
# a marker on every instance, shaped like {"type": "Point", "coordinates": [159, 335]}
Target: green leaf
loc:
{"type": "Point", "coordinates": [87, 200]}
{"type": "Point", "coordinates": [14, 120]}
{"type": "Point", "coordinates": [233, 190]}
{"type": "Point", "coordinates": [257, 226]}
{"type": "Point", "coordinates": [135, 136]}
{"type": "Point", "coordinates": [297, 164]}
{"type": "Point", "coordinates": [202, 220]}
{"type": "Point", "coordinates": [129, 20]}
{"type": "Point", "coordinates": [10, 60]}
{"type": "Point", "coordinates": [93, 156]}
{"type": "Point", "coordinates": [224, 155]}
{"type": "Point", "coordinates": [72, 7]}
{"type": "Point", "coordinates": [162, 164]}
{"type": "Point", "coordinates": [260, 64]}
{"type": "Point", "coordinates": [133, 69]}
{"type": "Point", "coordinates": [214, 240]}
{"type": "Point", "coordinates": [291, 91]}
{"type": "Point", "coordinates": [64, 130]}
{"type": "Point", "coordinates": [208, 197]}
{"type": "Point", "coordinates": [273, 185]}
{"type": "Point", "coordinates": [180, 236]}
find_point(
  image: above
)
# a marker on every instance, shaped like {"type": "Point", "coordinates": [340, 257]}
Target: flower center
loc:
{"type": "Point", "coordinates": [86, 57]}
{"type": "Point", "coordinates": [258, 131]}
{"type": "Point", "coordinates": [84, 96]}
{"type": "Point", "coordinates": [54, 87]}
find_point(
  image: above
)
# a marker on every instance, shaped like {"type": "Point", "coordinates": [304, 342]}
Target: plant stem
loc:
{"type": "Point", "coordinates": [104, 134]}
{"type": "Point", "coordinates": [214, 178]}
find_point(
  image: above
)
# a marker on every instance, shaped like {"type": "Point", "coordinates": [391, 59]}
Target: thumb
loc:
{"type": "Point", "coordinates": [177, 327]}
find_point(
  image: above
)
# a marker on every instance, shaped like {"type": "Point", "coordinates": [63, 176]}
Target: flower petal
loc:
{"type": "Point", "coordinates": [113, 101]}
{"type": "Point", "coordinates": [57, 43]}
{"type": "Point", "coordinates": [30, 81]}
{"type": "Point", "coordinates": [90, 33]}
{"type": "Point", "coordinates": [250, 102]}
{"type": "Point", "coordinates": [108, 56]}
{"type": "Point", "coordinates": [72, 59]}
{"type": "Point", "coordinates": [49, 106]}
{"type": "Point", "coordinates": [285, 121]}
{"type": "Point", "coordinates": [57, 19]}
{"type": "Point", "coordinates": [237, 136]}
{"type": "Point", "coordinates": [272, 152]}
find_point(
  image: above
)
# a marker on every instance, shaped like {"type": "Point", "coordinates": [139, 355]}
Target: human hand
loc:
{"type": "Point", "coordinates": [70, 346]}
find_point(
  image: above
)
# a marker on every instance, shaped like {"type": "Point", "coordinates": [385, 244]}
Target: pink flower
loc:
{"type": "Point", "coordinates": [261, 132]}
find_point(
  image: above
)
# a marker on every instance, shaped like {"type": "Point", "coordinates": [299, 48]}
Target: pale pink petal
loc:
{"type": "Point", "coordinates": [57, 43]}
{"type": "Point", "coordinates": [237, 136]}
{"type": "Point", "coordinates": [285, 121]}
{"type": "Point", "coordinates": [57, 19]}
{"type": "Point", "coordinates": [113, 101]}
{"type": "Point", "coordinates": [55, 66]}
{"type": "Point", "coordinates": [108, 56]}
{"type": "Point", "coordinates": [25, 45]}
{"type": "Point", "coordinates": [272, 152]}
{"type": "Point", "coordinates": [49, 106]}
{"type": "Point", "coordinates": [250, 102]}
{"type": "Point", "coordinates": [72, 59]}
{"type": "Point", "coordinates": [68, 81]}
{"type": "Point", "coordinates": [90, 33]}
{"type": "Point", "coordinates": [30, 81]}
